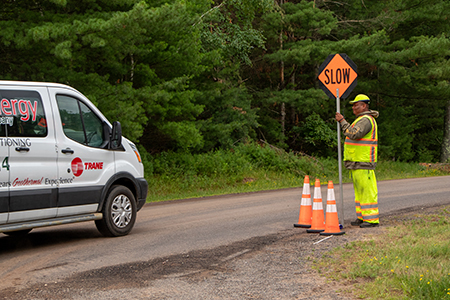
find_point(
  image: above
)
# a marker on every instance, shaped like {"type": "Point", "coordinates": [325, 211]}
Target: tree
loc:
{"type": "Point", "coordinates": [405, 71]}
{"type": "Point", "coordinates": [198, 75]}
{"type": "Point", "coordinates": [284, 78]}
{"type": "Point", "coordinates": [401, 51]}
{"type": "Point", "coordinates": [156, 66]}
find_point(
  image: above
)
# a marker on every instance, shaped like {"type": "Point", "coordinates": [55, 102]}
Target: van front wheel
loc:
{"type": "Point", "coordinates": [119, 212]}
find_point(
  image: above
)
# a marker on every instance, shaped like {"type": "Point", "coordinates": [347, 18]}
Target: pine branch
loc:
{"type": "Point", "coordinates": [201, 17]}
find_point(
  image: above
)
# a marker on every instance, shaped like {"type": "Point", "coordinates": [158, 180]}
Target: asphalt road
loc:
{"type": "Point", "coordinates": [177, 227]}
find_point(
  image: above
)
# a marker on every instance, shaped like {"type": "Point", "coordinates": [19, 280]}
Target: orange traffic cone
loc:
{"type": "Point", "coordinates": [317, 223]}
{"type": "Point", "coordinates": [304, 217]}
{"type": "Point", "coordinates": [332, 220]}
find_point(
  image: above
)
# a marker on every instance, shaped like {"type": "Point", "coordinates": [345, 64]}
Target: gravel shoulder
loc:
{"type": "Point", "coordinates": [276, 266]}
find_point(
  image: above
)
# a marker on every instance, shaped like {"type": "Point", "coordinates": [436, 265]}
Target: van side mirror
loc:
{"type": "Point", "coordinates": [115, 140]}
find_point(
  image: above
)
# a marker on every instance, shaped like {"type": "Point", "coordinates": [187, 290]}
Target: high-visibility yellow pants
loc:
{"type": "Point", "coordinates": [366, 195]}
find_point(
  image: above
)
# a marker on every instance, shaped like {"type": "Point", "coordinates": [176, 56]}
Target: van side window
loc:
{"type": "Point", "coordinates": [22, 114]}
{"type": "Point", "coordinates": [79, 122]}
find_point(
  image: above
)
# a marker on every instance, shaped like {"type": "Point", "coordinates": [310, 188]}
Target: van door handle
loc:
{"type": "Point", "coordinates": [19, 149]}
{"type": "Point", "coordinates": [65, 151]}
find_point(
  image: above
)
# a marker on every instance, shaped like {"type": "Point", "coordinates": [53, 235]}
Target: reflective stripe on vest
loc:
{"type": "Point", "coordinates": [364, 149]}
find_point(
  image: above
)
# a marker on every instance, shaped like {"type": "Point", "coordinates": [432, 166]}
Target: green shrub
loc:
{"type": "Point", "coordinates": [250, 167]}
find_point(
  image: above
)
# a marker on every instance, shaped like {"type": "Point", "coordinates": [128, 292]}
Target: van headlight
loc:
{"type": "Point", "coordinates": [135, 150]}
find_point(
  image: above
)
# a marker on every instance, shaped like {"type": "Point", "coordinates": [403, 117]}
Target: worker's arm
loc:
{"type": "Point", "coordinates": [361, 128]}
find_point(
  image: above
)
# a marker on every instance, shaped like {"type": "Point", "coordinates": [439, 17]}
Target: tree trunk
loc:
{"type": "Point", "coordinates": [283, 105]}
{"type": "Point", "coordinates": [283, 117]}
{"type": "Point", "coordinates": [445, 150]}
{"type": "Point", "coordinates": [132, 68]}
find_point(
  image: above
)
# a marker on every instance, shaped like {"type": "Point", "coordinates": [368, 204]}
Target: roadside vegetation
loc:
{"type": "Point", "coordinates": [250, 167]}
{"type": "Point", "coordinates": [409, 261]}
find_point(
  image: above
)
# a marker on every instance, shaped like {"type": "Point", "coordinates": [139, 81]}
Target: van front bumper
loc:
{"type": "Point", "coordinates": [143, 191]}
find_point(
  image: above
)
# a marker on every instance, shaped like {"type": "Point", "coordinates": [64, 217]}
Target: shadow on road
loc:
{"type": "Point", "coordinates": [39, 238]}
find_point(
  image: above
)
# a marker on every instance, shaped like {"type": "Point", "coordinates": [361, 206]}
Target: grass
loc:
{"type": "Point", "coordinates": [191, 186]}
{"type": "Point", "coordinates": [409, 261]}
{"type": "Point", "coordinates": [248, 168]}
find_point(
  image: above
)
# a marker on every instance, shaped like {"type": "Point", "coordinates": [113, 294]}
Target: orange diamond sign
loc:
{"type": "Point", "coordinates": [337, 74]}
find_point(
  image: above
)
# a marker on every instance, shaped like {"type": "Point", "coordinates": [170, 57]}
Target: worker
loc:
{"type": "Point", "coordinates": [360, 158]}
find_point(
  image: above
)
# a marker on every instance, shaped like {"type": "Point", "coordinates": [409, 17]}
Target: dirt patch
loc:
{"type": "Point", "coordinates": [276, 266]}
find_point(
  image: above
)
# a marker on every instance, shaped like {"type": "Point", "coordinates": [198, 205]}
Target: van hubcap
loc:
{"type": "Point", "coordinates": [121, 211]}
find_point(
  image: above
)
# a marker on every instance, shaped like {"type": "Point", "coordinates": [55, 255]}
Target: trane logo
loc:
{"type": "Point", "coordinates": [78, 166]}
{"type": "Point", "coordinates": [93, 165]}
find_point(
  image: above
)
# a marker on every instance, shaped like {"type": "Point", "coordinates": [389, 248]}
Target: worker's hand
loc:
{"type": "Point", "coordinates": [339, 117]}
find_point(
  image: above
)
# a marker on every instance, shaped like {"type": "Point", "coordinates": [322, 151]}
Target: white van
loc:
{"type": "Point", "coordinates": [61, 162]}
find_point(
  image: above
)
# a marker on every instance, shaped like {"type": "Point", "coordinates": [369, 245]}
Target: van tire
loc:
{"type": "Point", "coordinates": [119, 212]}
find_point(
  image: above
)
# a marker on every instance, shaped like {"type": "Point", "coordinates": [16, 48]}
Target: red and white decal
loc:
{"type": "Point", "coordinates": [93, 165]}
{"type": "Point", "coordinates": [15, 107]}
{"type": "Point", "coordinates": [78, 166]}
{"type": "Point", "coordinates": [27, 181]}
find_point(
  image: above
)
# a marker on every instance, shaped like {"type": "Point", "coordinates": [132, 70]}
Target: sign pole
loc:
{"type": "Point", "coordinates": [341, 210]}
{"type": "Point", "coordinates": [338, 73]}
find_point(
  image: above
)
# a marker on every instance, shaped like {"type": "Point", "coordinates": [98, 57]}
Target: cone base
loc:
{"type": "Point", "coordinates": [332, 233]}
{"type": "Point", "coordinates": [302, 225]}
{"type": "Point", "coordinates": [314, 230]}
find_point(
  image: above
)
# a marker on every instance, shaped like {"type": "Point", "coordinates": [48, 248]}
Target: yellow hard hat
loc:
{"type": "Point", "coordinates": [360, 98]}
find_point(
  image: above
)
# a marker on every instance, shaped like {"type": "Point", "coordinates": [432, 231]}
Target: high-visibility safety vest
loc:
{"type": "Point", "coordinates": [364, 149]}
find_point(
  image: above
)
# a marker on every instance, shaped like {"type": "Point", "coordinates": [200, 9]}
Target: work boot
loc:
{"type": "Point", "coordinates": [367, 225]}
{"type": "Point", "coordinates": [357, 222]}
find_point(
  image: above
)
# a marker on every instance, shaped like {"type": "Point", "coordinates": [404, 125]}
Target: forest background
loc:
{"type": "Point", "coordinates": [193, 77]}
